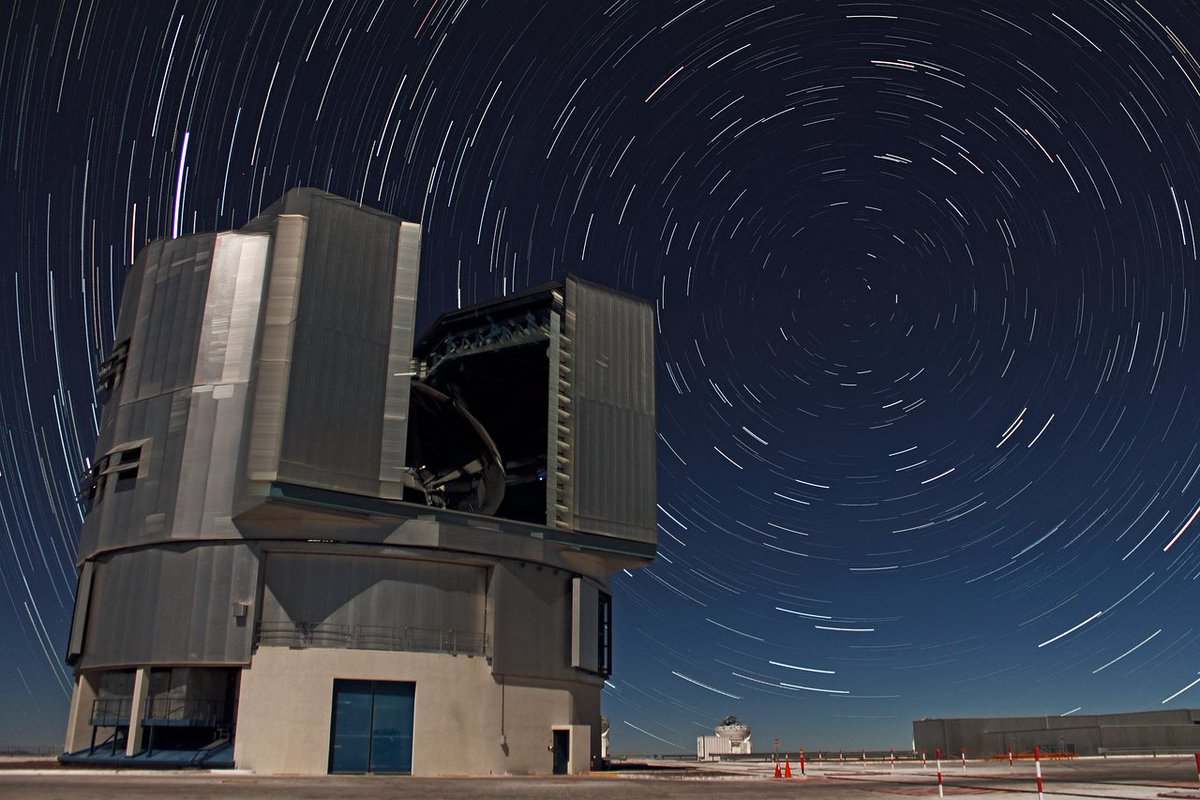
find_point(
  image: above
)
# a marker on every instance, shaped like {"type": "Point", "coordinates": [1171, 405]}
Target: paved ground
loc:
{"type": "Point", "coordinates": [1123, 778]}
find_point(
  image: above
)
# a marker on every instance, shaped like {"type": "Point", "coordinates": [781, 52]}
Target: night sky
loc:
{"type": "Point", "coordinates": [924, 275]}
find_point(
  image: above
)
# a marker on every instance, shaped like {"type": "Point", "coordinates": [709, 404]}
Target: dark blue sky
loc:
{"type": "Point", "coordinates": [924, 280]}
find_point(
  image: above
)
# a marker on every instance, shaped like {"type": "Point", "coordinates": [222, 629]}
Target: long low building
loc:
{"type": "Point", "coordinates": [1083, 734]}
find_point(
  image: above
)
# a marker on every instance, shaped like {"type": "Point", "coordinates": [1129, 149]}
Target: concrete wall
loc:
{"type": "Point", "coordinates": [460, 712]}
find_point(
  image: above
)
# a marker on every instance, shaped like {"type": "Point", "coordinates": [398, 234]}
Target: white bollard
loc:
{"type": "Point", "coordinates": [1037, 765]}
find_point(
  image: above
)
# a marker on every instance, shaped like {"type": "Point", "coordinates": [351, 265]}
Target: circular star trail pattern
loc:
{"type": "Point", "coordinates": [924, 289]}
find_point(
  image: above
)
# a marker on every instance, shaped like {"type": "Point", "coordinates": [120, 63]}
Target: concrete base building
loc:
{"type": "Point", "coordinates": [1172, 730]}
{"type": "Point", "coordinates": [316, 543]}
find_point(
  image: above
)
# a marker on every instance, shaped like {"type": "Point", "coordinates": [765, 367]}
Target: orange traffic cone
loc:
{"type": "Point", "coordinates": [778, 774]}
{"type": "Point", "coordinates": [787, 766]}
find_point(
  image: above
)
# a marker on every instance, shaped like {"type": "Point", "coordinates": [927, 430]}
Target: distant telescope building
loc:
{"type": "Point", "coordinates": [1082, 734]}
{"type": "Point", "coordinates": [316, 542]}
{"type": "Point", "coordinates": [731, 737]}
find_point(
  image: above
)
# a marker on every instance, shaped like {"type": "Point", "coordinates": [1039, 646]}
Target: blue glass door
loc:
{"type": "Point", "coordinates": [372, 727]}
{"type": "Point", "coordinates": [392, 727]}
{"type": "Point", "coordinates": [350, 745]}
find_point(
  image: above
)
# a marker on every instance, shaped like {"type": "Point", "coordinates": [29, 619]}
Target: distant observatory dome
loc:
{"type": "Point", "coordinates": [733, 728]}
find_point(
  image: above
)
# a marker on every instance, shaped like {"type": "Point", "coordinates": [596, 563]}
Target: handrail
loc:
{"type": "Point", "coordinates": [193, 711]}
{"type": "Point", "coordinates": [303, 634]}
{"type": "Point", "coordinates": [111, 711]}
{"type": "Point", "coordinates": [197, 711]}
{"type": "Point", "coordinates": [371, 637]}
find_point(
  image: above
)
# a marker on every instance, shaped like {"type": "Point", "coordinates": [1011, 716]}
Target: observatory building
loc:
{"type": "Point", "coordinates": [315, 542]}
{"type": "Point", "coordinates": [732, 737]}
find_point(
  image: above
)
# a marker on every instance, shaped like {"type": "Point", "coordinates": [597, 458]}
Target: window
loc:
{"type": "Point", "coordinates": [126, 467]}
{"type": "Point", "coordinates": [120, 466]}
{"type": "Point", "coordinates": [108, 377]}
{"type": "Point", "coordinates": [605, 635]}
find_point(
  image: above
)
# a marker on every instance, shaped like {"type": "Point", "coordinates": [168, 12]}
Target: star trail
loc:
{"type": "Point", "coordinates": [929, 394]}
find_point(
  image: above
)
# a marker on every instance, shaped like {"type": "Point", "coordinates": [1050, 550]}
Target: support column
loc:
{"type": "Point", "coordinates": [580, 762]}
{"type": "Point", "coordinates": [137, 710]}
{"type": "Point", "coordinates": [79, 722]}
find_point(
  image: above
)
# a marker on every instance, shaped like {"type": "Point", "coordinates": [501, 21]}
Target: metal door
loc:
{"type": "Point", "coordinates": [562, 751]}
{"type": "Point", "coordinates": [392, 727]}
{"type": "Point", "coordinates": [372, 728]}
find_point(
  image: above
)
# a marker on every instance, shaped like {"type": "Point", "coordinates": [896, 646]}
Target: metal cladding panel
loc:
{"type": "Point", "coordinates": [231, 312]}
{"type": "Point", "coordinates": [162, 349]}
{"type": "Point", "coordinates": [372, 591]}
{"type": "Point", "coordinates": [171, 605]}
{"type": "Point", "coordinates": [131, 298]}
{"type": "Point", "coordinates": [218, 401]}
{"type": "Point", "coordinates": [333, 412]}
{"type": "Point", "coordinates": [83, 595]}
{"type": "Point", "coordinates": [613, 470]}
{"type": "Point", "coordinates": [162, 324]}
{"type": "Point", "coordinates": [275, 351]}
{"type": "Point", "coordinates": [393, 449]}
{"type": "Point", "coordinates": [542, 650]}
{"type": "Point", "coordinates": [125, 518]}
{"type": "Point", "coordinates": [585, 616]}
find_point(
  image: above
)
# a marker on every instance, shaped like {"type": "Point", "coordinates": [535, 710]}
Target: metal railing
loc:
{"type": "Point", "coordinates": [34, 750]}
{"type": "Point", "coordinates": [110, 712]}
{"type": "Point", "coordinates": [304, 634]}
{"type": "Point", "coordinates": [420, 640]}
{"type": "Point", "coordinates": [273, 633]}
{"type": "Point", "coordinates": [182, 712]}
{"type": "Point", "coordinates": [1148, 750]}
